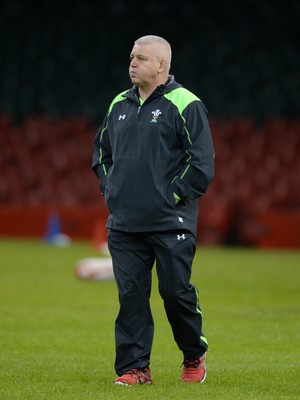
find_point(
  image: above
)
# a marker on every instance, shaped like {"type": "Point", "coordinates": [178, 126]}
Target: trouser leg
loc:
{"type": "Point", "coordinates": [132, 263]}
{"type": "Point", "coordinates": [174, 256]}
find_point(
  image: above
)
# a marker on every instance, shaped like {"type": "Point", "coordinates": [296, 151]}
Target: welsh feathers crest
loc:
{"type": "Point", "coordinates": [155, 115]}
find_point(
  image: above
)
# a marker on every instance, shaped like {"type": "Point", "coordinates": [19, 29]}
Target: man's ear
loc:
{"type": "Point", "coordinates": [162, 66]}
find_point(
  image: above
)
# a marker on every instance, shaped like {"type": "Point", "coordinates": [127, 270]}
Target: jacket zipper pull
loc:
{"type": "Point", "coordinates": [139, 109]}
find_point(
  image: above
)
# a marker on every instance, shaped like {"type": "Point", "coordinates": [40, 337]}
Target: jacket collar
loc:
{"type": "Point", "coordinates": [170, 85]}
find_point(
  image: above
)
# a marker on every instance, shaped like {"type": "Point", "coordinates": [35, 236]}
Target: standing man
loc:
{"type": "Point", "coordinates": [154, 156]}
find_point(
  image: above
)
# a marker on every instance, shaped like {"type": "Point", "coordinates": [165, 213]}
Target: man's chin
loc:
{"type": "Point", "coordinates": [134, 80]}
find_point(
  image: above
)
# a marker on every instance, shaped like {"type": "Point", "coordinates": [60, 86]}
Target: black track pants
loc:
{"type": "Point", "coordinates": [133, 256]}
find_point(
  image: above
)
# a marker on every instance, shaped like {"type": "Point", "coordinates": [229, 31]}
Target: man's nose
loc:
{"type": "Point", "coordinates": [133, 62]}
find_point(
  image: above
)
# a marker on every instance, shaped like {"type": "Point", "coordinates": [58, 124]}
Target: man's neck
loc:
{"type": "Point", "coordinates": [146, 91]}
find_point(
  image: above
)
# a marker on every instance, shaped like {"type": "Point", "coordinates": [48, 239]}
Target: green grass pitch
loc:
{"type": "Point", "coordinates": [57, 332]}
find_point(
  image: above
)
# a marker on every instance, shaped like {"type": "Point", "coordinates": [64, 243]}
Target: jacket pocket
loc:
{"type": "Point", "coordinates": [170, 190]}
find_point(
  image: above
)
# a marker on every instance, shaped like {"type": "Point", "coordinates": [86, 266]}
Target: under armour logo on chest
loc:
{"type": "Point", "coordinates": [122, 116]}
{"type": "Point", "coordinates": [181, 237]}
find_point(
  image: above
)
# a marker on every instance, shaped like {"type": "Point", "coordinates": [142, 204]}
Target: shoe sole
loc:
{"type": "Point", "coordinates": [204, 377]}
{"type": "Point", "coordinates": [133, 384]}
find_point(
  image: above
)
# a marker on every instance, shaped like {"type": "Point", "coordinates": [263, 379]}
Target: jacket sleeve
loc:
{"type": "Point", "coordinates": [102, 158]}
{"type": "Point", "coordinates": [197, 172]}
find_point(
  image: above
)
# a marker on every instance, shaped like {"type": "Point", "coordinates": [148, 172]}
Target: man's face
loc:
{"type": "Point", "coordinates": [144, 65]}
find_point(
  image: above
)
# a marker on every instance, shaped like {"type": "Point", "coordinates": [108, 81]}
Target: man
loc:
{"type": "Point", "coordinates": [154, 156]}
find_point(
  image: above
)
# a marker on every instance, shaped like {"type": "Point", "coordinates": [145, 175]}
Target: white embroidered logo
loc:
{"type": "Point", "coordinates": [155, 115]}
{"type": "Point", "coordinates": [179, 237]}
{"type": "Point", "coordinates": [180, 219]}
{"type": "Point", "coordinates": [122, 116]}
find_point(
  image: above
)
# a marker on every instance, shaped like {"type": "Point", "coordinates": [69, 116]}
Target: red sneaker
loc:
{"type": "Point", "coordinates": [194, 370]}
{"type": "Point", "coordinates": [135, 376]}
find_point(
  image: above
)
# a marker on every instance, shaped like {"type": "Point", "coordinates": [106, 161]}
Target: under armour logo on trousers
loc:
{"type": "Point", "coordinates": [179, 237]}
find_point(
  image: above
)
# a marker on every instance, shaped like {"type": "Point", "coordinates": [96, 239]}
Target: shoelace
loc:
{"type": "Point", "coordinates": [191, 363]}
{"type": "Point", "coordinates": [137, 372]}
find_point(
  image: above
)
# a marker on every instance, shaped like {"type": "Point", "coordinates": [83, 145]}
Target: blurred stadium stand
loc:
{"type": "Point", "coordinates": [60, 68]}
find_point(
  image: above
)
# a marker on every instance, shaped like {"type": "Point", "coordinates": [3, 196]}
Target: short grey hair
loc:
{"type": "Point", "coordinates": [150, 39]}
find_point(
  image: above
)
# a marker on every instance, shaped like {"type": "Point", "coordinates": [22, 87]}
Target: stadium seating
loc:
{"type": "Point", "coordinates": [257, 170]}
{"type": "Point", "coordinates": [47, 162]}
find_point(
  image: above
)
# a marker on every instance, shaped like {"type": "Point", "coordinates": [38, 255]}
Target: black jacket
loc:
{"type": "Point", "coordinates": [154, 161]}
